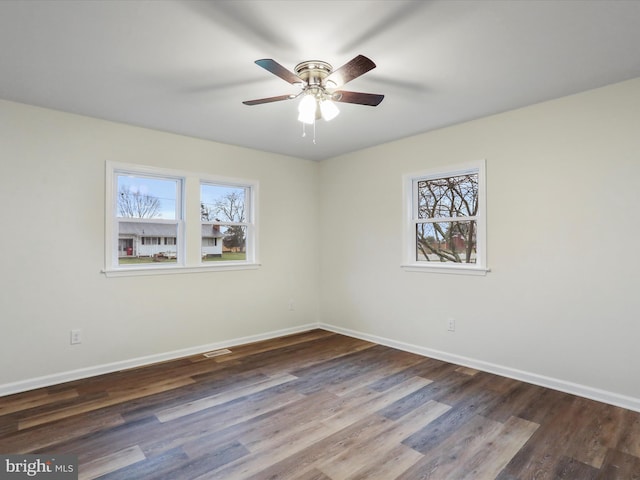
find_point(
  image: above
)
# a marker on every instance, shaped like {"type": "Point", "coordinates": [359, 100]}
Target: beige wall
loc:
{"type": "Point", "coordinates": [52, 245]}
{"type": "Point", "coordinates": [560, 304]}
{"type": "Point", "coordinates": [562, 301]}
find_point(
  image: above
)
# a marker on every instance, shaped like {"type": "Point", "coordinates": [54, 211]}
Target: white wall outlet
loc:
{"type": "Point", "coordinates": [451, 325]}
{"type": "Point", "coordinates": [76, 336]}
{"type": "Point", "coordinates": [291, 304]}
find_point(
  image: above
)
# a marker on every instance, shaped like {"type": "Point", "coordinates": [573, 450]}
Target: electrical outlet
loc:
{"type": "Point", "coordinates": [291, 304]}
{"type": "Point", "coordinates": [76, 336]}
{"type": "Point", "coordinates": [451, 325]}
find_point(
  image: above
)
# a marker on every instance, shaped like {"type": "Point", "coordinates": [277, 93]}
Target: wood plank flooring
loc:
{"type": "Point", "coordinates": [321, 406]}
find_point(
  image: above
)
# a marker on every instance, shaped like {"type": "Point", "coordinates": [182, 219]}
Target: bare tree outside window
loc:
{"type": "Point", "coordinates": [206, 212]}
{"type": "Point", "coordinates": [132, 204]}
{"type": "Point", "coordinates": [231, 208]}
{"type": "Point", "coordinates": [446, 226]}
{"type": "Point", "coordinates": [226, 206]}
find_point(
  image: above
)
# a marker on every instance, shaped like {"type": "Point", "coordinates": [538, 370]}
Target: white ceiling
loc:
{"type": "Point", "coordinates": [186, 66]}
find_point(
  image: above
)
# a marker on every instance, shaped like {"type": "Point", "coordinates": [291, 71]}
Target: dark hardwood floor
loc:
{"type": "Point", "coordinates": [321, 406]}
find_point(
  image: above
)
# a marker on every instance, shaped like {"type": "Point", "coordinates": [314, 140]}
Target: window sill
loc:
{"type": "Point", "coordinates": [446, 269]}
{"type": "Point", "coordinates": [174, 270]}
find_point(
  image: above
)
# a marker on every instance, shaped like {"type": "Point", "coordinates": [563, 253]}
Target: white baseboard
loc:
{"type": "Point", "coordinates": [57, 378]}
{"type": "Point", "coordinates": [611, 398]}
{"type": "Point", "coordinates": [604, 396]}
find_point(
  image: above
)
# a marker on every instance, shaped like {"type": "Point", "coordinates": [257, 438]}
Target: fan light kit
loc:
{"type": "Point", "coordinates": [319, 84]}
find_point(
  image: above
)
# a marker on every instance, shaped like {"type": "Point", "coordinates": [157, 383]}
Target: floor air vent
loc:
{"type": "Point", "coordinates": [217, 353]}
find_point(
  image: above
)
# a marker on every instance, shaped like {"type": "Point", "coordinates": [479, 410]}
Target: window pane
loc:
{"type": "Point", "coordinates": [448, 197]}
{"type": "Point", "coordinates": [146, 242]}
{"type": "Point", "coordinates": [223, 203]}
{"type": "Point", "coordinates": [146, 197]}
{"type": "Point", "coordinates": [224, 242]}
{"type": "Point", "coordinates": [446, 242]}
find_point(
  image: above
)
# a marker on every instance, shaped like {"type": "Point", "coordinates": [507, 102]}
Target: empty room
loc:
{"type": "Point", "coordinates": [320, 240]}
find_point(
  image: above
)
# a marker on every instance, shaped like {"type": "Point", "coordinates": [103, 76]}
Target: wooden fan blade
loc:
{"type": "Point", "coordinates": [350, 70]}
{"type": "Point", "coordinates": [278, 70]}
{"type": "Point", "coordinates": [268, 99]}
{"type": "Point", "coordinates": [371, 99]}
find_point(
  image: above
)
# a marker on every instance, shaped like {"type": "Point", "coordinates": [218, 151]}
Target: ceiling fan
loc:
{"type": "Point", "coordinates": [320, 83]}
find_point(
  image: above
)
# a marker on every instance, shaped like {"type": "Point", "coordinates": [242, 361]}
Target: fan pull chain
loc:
{"type": "Point", "coordinates": [304, 133]}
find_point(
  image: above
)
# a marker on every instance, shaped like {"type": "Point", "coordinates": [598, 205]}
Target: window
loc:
{"type": "Point", "coordinates": [445, 220]}
{"type": "Point", "coordinates": [224, 210]}
{"type": "Point", "coordinates": [148, 207]}
{"type": "Point", "coordinates": [146, 221]}
{"type": "Point", "coordinates": [150, 240]}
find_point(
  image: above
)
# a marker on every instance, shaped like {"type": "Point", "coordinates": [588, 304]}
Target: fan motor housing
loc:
{"type": "Point", "coordinates": [313, 72]}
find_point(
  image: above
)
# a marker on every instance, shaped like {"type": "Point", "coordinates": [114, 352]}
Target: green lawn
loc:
{"type": "Point", "coordinates": [226, 257]}
{"type": "Point", "coordinates": [138, 260]}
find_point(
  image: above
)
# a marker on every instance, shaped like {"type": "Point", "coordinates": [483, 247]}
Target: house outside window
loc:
{"type": "Point", "coordinates": [445, 228]}
{"type": "Point", "coordinates": [225, 212]}
{"type": "Point", "coordinates": [146, 230]}
{"type": "Point", "coordinates": [148, 207]}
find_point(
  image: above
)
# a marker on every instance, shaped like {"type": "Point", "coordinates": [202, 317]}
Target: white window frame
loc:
{"type": "Point", "coordinates": [251, 191]}
{"type": "Point", "coordinates": [411, 220]}
{"type": "Point", "coordinates": [189, 223]}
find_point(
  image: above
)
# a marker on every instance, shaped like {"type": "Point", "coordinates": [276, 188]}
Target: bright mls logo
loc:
{"type": "Point", "coordinates": [50, 467]}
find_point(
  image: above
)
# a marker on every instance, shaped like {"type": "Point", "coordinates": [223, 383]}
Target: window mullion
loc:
{"type": "Point", "coordinates": [446, 219]}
